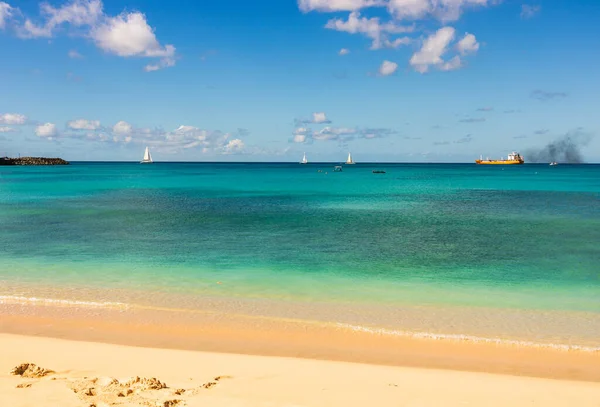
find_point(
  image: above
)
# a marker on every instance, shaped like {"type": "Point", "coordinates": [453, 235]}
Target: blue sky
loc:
{"type": "Point", "coordinates": [389, 80]}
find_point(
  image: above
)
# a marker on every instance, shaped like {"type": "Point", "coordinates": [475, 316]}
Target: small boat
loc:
{"type": "Point", "coordinates": [378, 172]}
{"type": "Point", "coordinates": [349, 160]}
{"type": "Point", "coordinates": [147, 157]}
{"type": "Point", "coordinates": [553, 163]}
{"type": "Point", "coordinates": [513, 158]}
{"type": "Point", "coordinates": [304, 160]}
{"type": "Point", "coordinates": [337, 168]}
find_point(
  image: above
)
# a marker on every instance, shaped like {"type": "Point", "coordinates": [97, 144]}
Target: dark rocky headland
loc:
{"type": "Point", "coordinates": [32, 161]}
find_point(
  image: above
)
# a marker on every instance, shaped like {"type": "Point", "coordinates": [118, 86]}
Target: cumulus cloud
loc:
{"type": "Point", "coordinates": [12, 118]}
{"type": "Point", "coordinates": [126, 35]}
{"type": "Point", "coordinates": [451, 65]}
{"type": "Point", "coordinates": [336, 5]}
{"type": "Point", "coordinates": [372, 28]}
{"type": "Point", "coordinates": [340, 134]}
{"type": "Point", "coordinates": [445, 10]}
{"type": "Point", "coordinates": [316, 118]}
{"type": "Point", "coordinates": [6, 129]}
{"type": "Point", "coordinates": [344, 51]}
{"type": "Point", "coordinates": [233, 146]}
{"type": "Point", "coordinates": [184, 137]}
{"type": "Point", "coordinates": [403, 12]}
{"type": "Point", "coordinates": [122, 128]}
{"type": "Point", "coordinates": [77, 13]}
{"type": "Point", "coordinates": [434, 47]}
{"type": "Point", "coordinates": [468, 44]}
{"type": "Point", "coordinates": [6, 12]}
{"type": "Point", "coordinates": [47, 130]}
{"type": "Point", "coordinates": [129, 34]}
{"type": "Point", "coordinates": [299, 138]}
{"type": "Point", "coordinates": [83, 124]}
{"type": "Point", "coordinates": [388, 68]}
{"type": "Point", "coordinates": [320, 117]}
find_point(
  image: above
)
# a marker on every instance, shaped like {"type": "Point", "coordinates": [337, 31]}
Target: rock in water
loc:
{"type": "Point", "coordinates": [32, 161]}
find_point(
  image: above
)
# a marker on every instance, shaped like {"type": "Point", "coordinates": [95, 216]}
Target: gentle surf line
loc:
{"type": "Point", "coordinates": [16, 300]}
{"type": "Point", "coordinates": [7, 299]}
{"type": "Point", "coordinates": [468, 338]}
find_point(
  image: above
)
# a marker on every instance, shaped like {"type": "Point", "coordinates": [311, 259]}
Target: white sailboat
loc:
{"type": "Point", "coordinates": [304, 160]}
{"type": "Point", "coordinates": [349, 160]}
{"type": "Point", "coordinates": [147, 157]}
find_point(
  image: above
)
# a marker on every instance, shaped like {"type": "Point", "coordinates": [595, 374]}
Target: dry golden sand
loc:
{"type": "Point", "coordinates": [93, 374]}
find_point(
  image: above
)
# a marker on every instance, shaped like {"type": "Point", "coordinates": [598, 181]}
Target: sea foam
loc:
{"type": "Point", "coordinates": [17, 300]}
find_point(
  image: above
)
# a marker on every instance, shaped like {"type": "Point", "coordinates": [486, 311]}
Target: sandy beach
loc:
{"type": "Point", "coordinates": [95, 374]}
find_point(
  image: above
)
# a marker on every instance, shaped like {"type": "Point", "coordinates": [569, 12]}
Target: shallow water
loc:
{"type": "Point", "coordinates": [476, 247]}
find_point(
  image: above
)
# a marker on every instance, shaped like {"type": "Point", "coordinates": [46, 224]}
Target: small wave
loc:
{"type": "Point", "coordinates": [16, 300]}
{"type": "Point", "coordinates": [468, 338]}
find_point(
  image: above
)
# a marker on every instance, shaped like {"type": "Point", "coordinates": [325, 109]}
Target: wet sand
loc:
{"type": "Point", "coordinates": [299, 339]}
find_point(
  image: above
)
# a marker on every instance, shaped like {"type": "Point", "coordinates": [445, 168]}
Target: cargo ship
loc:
{"type": "Point", "coordinates": [513, 158]}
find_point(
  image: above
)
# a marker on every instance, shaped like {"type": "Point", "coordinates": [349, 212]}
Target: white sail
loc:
{"type": "Point", "coordinates": [349, 160]}
{"type": "Point", "coordinates": [147, 156]}
{"type": "Point", "coordinates": [304, 160]}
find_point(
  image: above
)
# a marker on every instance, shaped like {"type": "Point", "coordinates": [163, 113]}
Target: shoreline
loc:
{"type": "Point", "coordinates": [87, 373]}
{"type": "Point", "coordinates": [225, 333]}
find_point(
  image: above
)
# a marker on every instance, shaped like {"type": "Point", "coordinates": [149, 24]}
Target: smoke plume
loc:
{"type": "Point", "coordinates": [566, 149]}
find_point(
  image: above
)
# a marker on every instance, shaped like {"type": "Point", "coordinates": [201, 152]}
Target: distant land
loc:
{"type": "Point", "coordinates": [32, 161]}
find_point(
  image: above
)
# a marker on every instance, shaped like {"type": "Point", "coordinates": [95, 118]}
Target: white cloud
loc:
{"type": "Point", "coordinates": [12, 118]}
{"type": "Point", "coordinates": [7, 130]}
{"type": "Point", "coordinates": [402, 11]}
{"type": "Point", "coordinates": [444, 10]}
{"type": "Point", "coordinates": [122, 128]}
{"type": "Point", "coordinates": [126, 35]}
{"type": "Point", "coordinates": [77, 13]}
{"type": "Point", "coordinates": [163, 63]}
{"type": "Point", "coordinates": [83, 124]}
{"type": "Point", "coordinates": [528, 11]}
{"type": "Point", "coordinates": [301, 130]}
{"type": "Point", "coordinates": [452, 64]}
{"type": "Point", "coordinates": [233, 146]}
{"type": "Point", "coordinates": [299, 138]}
{"type": "Point", "coordinates": [332, 133]}
{"type": "Point", "coordinates": [6, 12]}
{"type": "Point", "coordinates": [468, 44]}
{"type": "Point", "coordinates": [370, 27]}
{"type": "Point", "coordinates": [188, 137]}
{"type": "Point", "coordinates": [336, 5]}
{"type": "Point", "coordinates": [170, 142]}
{"type": "Point", "coordinates": [434, 47]}
{"type": "Point", "coordinates": [320, 117]}
{"type": "Point", "coordinates": [344, 51]}
{"type": "Point", "coordinates": [388, 68]}
{"type": "Point", "coordinates": [398, 42]}
{"type": "Point", "coordinates": [340, 134]}
{"type": "Point", "coordinates": [74, 54]}
{"type": "Point", "coordinates": [129, 35]}
{"type": "Point", "coordinates": [47, 130]}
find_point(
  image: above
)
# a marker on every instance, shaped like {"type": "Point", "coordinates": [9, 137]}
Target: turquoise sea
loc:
{"type": "Point", "coordinates": [509, 252]}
